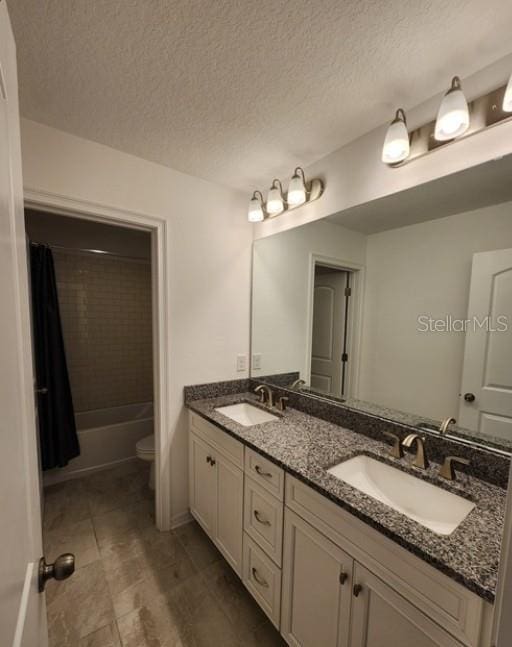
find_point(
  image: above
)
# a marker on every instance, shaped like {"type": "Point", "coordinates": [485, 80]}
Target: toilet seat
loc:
{"type": "Point", "coordinates": [146, 445]}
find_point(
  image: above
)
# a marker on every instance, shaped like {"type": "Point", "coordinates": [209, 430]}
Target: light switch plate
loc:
{"type": "Point", "coordinates": [256, 361]}
{"type": "Point", "coordinates": [241, 363]}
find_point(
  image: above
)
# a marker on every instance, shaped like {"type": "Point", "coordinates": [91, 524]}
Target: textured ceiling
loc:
{"type": "Point", "coordinates": [238, 91]}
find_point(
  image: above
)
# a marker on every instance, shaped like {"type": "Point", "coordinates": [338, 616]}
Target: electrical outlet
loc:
{"type": "Point", "coordinates": [256, 361]}
{"type": "Point", "coordinates": [241, 363]}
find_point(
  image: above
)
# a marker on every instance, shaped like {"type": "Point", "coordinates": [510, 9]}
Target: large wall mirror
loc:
{"type": "Point", "coordinates": [402, 306]}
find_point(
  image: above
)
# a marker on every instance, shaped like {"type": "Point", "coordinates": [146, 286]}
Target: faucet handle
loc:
{"type": "Point", "coordinates": [447, 470]}
{"type": "Point", "coordinates": [281, 403]}
{"type": "Point", "coordinates": [396, 450]}
{"type": "Point", "coordinates": [261, 392]}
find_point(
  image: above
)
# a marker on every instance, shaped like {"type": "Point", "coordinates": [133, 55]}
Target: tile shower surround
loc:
{"type": "Point", "coordinates": [485, 465]}
{"type": "Point", "coordinates": [105, 304]}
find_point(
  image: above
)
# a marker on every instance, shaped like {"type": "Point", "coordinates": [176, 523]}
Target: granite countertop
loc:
{"type": "Point", "coordinates": [306, 447]}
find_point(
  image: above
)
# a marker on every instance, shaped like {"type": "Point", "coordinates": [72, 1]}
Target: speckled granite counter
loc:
{"type": "Point", "coordinates": [306, 447]}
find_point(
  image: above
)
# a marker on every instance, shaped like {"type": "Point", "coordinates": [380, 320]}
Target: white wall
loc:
{"type": "Point", "coordinates": [209, 258]}
{"type": "Point", "coordinates": [422, 269]}
{"type": "Point", "coordinates": [355, 175]}
{"type": "Point", "coordinates": [281, 285]}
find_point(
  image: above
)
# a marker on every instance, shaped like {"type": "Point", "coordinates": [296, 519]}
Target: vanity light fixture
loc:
{"type": "Point", "coordinates": [453, 116]}
{"type": "Point", "coordinates": [396, 146]}
{"type": "Point", "coordinates": [275, 199]}
{"type": "Point", "coordinates": [507, 99]}
{"type": "Point", "coordinates": [256, 211]}
{"type": "Point", "coordinates": [299, 192]}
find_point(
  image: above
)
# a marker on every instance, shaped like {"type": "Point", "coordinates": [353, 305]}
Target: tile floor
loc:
{"type": "Point", "coordinates": [133, 585]}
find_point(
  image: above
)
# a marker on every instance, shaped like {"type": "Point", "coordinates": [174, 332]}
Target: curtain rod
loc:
{"type": "Point", "coordinates": [101, 252]}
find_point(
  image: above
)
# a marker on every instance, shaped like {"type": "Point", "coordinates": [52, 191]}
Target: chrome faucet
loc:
{"type": "Point", "coordinates": [443, 427]}
{"type": "Point", "coordinates": [421, 460]}
{"type": "Point", "coordinates": [297, 384]}
{"type": "Point", "coordinates": [263, 389]}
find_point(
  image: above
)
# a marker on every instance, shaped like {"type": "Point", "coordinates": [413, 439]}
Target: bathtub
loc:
{"type": "Point", "coordinates": [107, 437]}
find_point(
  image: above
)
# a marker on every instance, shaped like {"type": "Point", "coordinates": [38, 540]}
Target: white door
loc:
{"type": "Point", "coordinates": [230, 499]}
{"type": "Point", "coordinates": [329, 323]}
{"type": "Point", "coordinates": [383, 618]}
{"type": "Point", "coordinates": [203, 484]}
{"type": "Point", "coordinates": [22, 608]}
{"type": "Point", "coordinates": [317, 584]}
{"type": "Point", "coordinates": [486, 393]}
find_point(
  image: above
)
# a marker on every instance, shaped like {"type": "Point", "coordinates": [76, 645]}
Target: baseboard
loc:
{"type": "Point", "coordinates": [50, 478]}
{"type": "Point", "coordinates": [180, 519]}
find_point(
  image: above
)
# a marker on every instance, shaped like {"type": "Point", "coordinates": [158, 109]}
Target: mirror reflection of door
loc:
{"type": "Point", "coordinates": [486, 393]}
{"type": "Point", "coordinates": [329, 352]}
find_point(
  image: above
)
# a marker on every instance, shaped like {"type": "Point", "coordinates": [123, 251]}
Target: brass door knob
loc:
{"type": "Point", "coordinates": [62, 568]}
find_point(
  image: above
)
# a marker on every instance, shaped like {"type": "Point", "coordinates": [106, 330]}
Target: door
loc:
{"type": "Point", "coordinates": [383, 618]}
{"type": "Point", "coordinates": [22, 609]}
{"type": "Point", "coordinates": [317, 580]}
{"type": "Point", "coordinates": [203, 486]}
{"type": "Point", "coordinates": [229, 528]}
{"type": "Point", "coordinates": [328, 346]}
{"type": "Point", "coordinates": [486, 393]}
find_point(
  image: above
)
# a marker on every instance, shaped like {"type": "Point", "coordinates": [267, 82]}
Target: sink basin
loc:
{"type": "Point", "coordinates": [245, 414]}
{"type": "Point", "coordinates": [429, 505]}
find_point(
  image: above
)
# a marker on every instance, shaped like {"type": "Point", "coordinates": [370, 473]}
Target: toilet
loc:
{"type": "Point", "coordinates": [145, 450]}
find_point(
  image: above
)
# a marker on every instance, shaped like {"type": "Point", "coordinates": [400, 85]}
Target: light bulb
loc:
{"type": "Point", "coordinates": [507, 99]}
{"type": "Point", "coordinates": [396, 144]}
{"type": "Point", "coordinates": [453, 116]}
{"type": "Point", "coordinates": [275, 202]}
{"type": "Point", "coordinates": [255, 212]}
{"type": "Point", "coordinates": [296, 189]}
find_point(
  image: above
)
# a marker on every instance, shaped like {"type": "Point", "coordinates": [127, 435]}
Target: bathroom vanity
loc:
{"type": "Point", "coordinates": [328, 564]}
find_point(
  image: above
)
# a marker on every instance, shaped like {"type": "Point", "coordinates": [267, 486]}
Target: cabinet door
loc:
{"type": "Point", "coordinates": [383, 618]}
{"type": "Point", "coordinates": [230, 497]}
{"type": "Point", "coordinates": [203, 484]}
{"type": "Point", "coordinates": [317, 580]}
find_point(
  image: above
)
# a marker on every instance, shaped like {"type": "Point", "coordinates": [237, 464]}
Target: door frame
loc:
{"type": "Point", "coordinates": [160, 285]}
{"type": "Point", "coordinates": [355, 315]}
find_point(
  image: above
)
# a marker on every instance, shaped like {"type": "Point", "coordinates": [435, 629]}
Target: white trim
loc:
{"type": "Point", "coordinates": [160, 246]}
{"type": "Point", "coordinates": [181, 519]}
{"type": "Point", "coordinates": [355, 314]}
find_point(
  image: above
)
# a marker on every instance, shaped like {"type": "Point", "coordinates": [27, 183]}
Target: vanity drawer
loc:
{"type": "Point", "coordinates": [231, 448]}
{"type": "Point", "coordinates": [263, 519]}
{"type": "Point", "coordinates": [265, 473]}
{"type": "Point", "coordinates": [263, 579]}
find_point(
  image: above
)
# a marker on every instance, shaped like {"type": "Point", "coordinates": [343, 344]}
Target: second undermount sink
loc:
{"type": "Point", "coordinates": [429, 505]}
{"type": "Point", "coordinates": [246, 414]}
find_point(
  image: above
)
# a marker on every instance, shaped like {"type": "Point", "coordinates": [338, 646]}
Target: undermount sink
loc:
{"type": "Point", "coordinates": [246, 414]}
{"type": "Point", "coordinates": [429, 505]}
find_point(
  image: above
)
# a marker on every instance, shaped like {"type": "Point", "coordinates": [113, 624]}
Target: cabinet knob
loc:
{"type": "Point", "coordinates": [469, 397]}
{"type": "Point", "coordinates": [208, 459]}
{"type": "Point", "coordinates": [212, 461]}
{"type": "Point", "coordinates": [357, 590]}
{"type": "Point", "coordinates": [343, 577]}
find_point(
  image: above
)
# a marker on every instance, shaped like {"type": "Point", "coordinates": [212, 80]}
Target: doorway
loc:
{"type": "Point", "coordinates": [335, 313]}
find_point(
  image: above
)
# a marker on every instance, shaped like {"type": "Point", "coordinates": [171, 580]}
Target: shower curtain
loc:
{"type": "Point", "coordinates": [57, 430]}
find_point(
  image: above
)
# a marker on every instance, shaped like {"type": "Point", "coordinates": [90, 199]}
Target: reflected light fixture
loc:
{"type": "Point", "coordinates": [453, 116]}
{"type": "Point", "coordinates": [256, 211]}
{"type": "Point", "coordinates": [275, 199]}
{"type": "Point", "coordinates": [507, 99]}
{"type": "Point", "coordinates": [297, 188]}
{"type": "Point", "coordinates": [396, 146]}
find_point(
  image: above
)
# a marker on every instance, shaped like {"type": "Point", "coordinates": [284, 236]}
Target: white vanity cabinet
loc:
{"type": "Point", "coordinates": [216, 486]}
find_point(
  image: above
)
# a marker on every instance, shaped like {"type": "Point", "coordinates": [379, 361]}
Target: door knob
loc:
{"type": "Point", "coordinates": [469, 397]}
{"type": "Point", "coordinates": [61, 569]}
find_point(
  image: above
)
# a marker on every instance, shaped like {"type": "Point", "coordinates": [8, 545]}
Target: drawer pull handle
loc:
{"type": "Point", "coordinates": [258, 578]}
{"type": "Point", "coordinates": [343, 577]}
{"type": "Point", "coordinates": [262, 472]}
{"type": "Point", "coordinates": [357, 590]}
{"type": "Point", "coordinates": [260, 519]}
